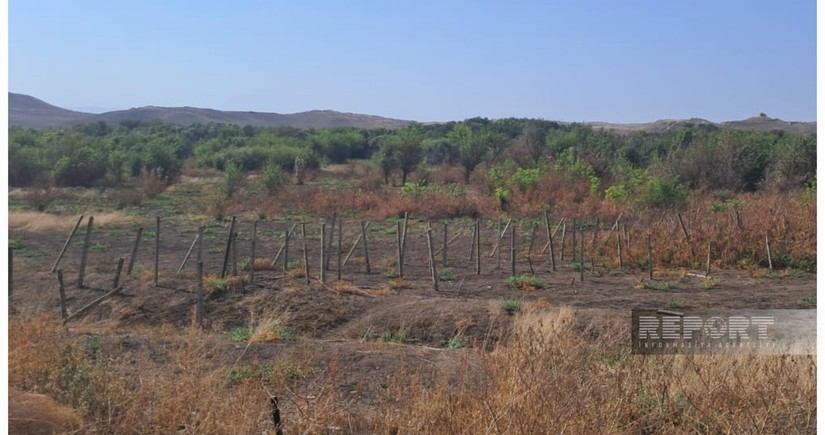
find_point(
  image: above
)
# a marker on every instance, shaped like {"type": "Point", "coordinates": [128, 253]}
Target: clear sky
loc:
{"type": "Point", "coordinates": [616, 61]}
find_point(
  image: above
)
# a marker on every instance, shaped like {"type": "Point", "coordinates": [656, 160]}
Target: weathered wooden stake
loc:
{"type": "Point", "coordinates": [513, 250]}
{"type": "Point", "coordinates": [228, 247]}
{"type": "Point", "coordinates": [530, 248]}
{"type": "Point", "coordinates": [324, 258]}
{"type": "Point", "coordinates": [575, 246]}
{"type": "Point", "coordinates": [66, 245]}
{"type": "Point", "coordinates": [91, 305]}
{"type": "Point", "coordinates": [340, 230]}
{"type": "Point", "coordinates": [366, 247]}
{"type": "Point", "coordinates": [134, 251]}
{"type": "Point", "coordinates": [283, 246]}
{"type": "Point", "coordinates": [619, 249]}
{"type": "Point", "coordinates": [329, 243]}
{"type": "Point", "coordinates": [355, 245]}
{"type": "Point", "coordinates": [200, 308]}
{"type": "Point", "coordinates": [157, 250]}
{"type": "Point", "coordinates": [552, 253]}
{"type": "Point", "coordinates": [188, 253]}
{"type": "Point", "coordinates": [433, 271]}
{"type": "Point", "coordinates": [117, 272]}
{"type": "Point", "coordinates": [404, 237]}
{"type": "Point", "coordinates": [707, 262]}
{"type": "Point", "coordinates": [768, 247]}
{"type": "Point", "coordinates": [687, 237]}
{"type": "Point", "coordinates": [200, 242]}
{"type": "Point", "coordinates": [84, 254]}
{"type": "Point", "coordinates": [61, 292]}
{"type": "Point", "coordinates": [563, 240]}
{"type": "Point", "coordinates": [473, 242]}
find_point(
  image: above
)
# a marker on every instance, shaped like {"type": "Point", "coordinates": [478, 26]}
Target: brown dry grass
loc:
{"type": "Point", "coordinates": [44, 222]}
{"type": "Point", "coordinates": [553, 372]}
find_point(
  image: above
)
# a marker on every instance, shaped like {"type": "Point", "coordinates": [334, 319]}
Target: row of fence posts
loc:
{"type": "Point", "coordinates": [231, 252]}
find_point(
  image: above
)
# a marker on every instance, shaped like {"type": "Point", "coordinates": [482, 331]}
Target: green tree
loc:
{"type": "Point", "coordinates": [409, 151]}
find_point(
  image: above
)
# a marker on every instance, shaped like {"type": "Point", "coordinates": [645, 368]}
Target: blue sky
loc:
{"type": "Point", "coordinates": [616, 61]}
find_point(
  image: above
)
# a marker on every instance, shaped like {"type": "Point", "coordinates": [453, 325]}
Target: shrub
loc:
{"type": "Point", "coordinates": [272, 178]}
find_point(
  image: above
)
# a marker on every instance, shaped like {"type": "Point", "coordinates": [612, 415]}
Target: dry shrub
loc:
{"type": "Point", "coordinates": [40, 198]}
{"type": "Point", "coordinates": [152, 184]}
{"type": "Point", "coordinates": [551, 375]}
{"type": "Point", "coordinates": [445, 174]}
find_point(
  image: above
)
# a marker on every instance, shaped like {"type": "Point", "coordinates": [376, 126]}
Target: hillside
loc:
{"type": "Point", "coordinates": [28, 111]}
{"type": "Point", "coordinates": [31, 112]}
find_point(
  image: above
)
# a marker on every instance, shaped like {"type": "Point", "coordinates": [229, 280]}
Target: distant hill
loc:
{"type": "Point", "coordinates": [28, 111]}
{"type": "Point", "coordinates": [31, 112]}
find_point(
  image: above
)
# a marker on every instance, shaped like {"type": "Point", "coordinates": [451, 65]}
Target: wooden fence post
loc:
{"type": "Point", "coordinates": [768, 247]}
{"type": "Point", "coordinates": [552, 253]}
{"type": "Point", "coordinates": [433, 271]}
{"type": "Point", "coordinates": [188, 254]}
{"type": "Point", "coordinates": [84, 254]}
{"type": "Point", "coordinates": [11, 272]}
{"type": "Point", "coordinates": [530, 248]}
{"type": "Point", "coordinates": [513, 250]}
{"type": "Point", "coordinates": [478, 246]}
{"type": "Point", "coordinates": [575, 246]}
{"type": "Point", "coordinates": [66, 245]}
{"type": "Point", "coordinates": [619, 249]}
{"type": "Point", "coordinates": [283, 246]}
{"type": "Point", "coordinates": [134, 251]}
{"type": "Point", "coordinates": [581, 255]}
{"type": "Point", "coordinates": [200, 242]}
{"type": "Point", "coordinates": [286, 251]}
{"type": "Point", "coordinates": [306, 253]}
{"type": "Point", "coordinates": [473, 241]}
{"type": "Point", "coordinates": [366, 247]}
{"type": "Point", "coordinates": [355, 245]}
{"type": "Point", "coordinates": [340, 230]}
{"type": "Point", "coordinates": [329, 244]}
{"type": "Point", "coordinates": [228, 247]}
{"type": "Point", "coordinates": [707, 262]}
{"type": "Point", "coordinates": [563, 240]}
{"type": "Point", "coordinates": [117, 272]}
{"type": "Point", "coordinates": [324, 257]}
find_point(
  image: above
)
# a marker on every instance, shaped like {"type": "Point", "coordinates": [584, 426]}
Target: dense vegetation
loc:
{"type": "Point", "coordinates": [653, 169]}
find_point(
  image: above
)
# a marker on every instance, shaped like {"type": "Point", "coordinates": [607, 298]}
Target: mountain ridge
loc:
{"type": "Point", "coordinates": [28, 111]}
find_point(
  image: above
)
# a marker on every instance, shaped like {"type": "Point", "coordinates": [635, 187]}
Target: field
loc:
{"type": "Point", "coordinates": [515, 347]}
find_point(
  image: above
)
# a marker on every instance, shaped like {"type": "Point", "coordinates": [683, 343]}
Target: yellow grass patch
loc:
{"type": "Point", "coordinates": [37, 221]}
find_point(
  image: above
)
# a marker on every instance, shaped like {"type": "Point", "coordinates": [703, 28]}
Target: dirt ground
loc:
{"type": "Point", "coordinates": [342, 327]}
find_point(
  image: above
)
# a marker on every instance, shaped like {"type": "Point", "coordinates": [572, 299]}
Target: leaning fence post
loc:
{"type": "Point", "coordinates": [134, 251]}
{"type": "Point", "coordinates": [188, 253]}
{"type": "Point", "coordinates": [66, 245]}
{"type": "Point", "coordinates": [117, 272]}
{"type": "Point", "coordinates": [84, 254]}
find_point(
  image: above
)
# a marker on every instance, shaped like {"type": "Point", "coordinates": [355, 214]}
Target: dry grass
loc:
{"type": "Point", "coordinates": [39, 222]}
